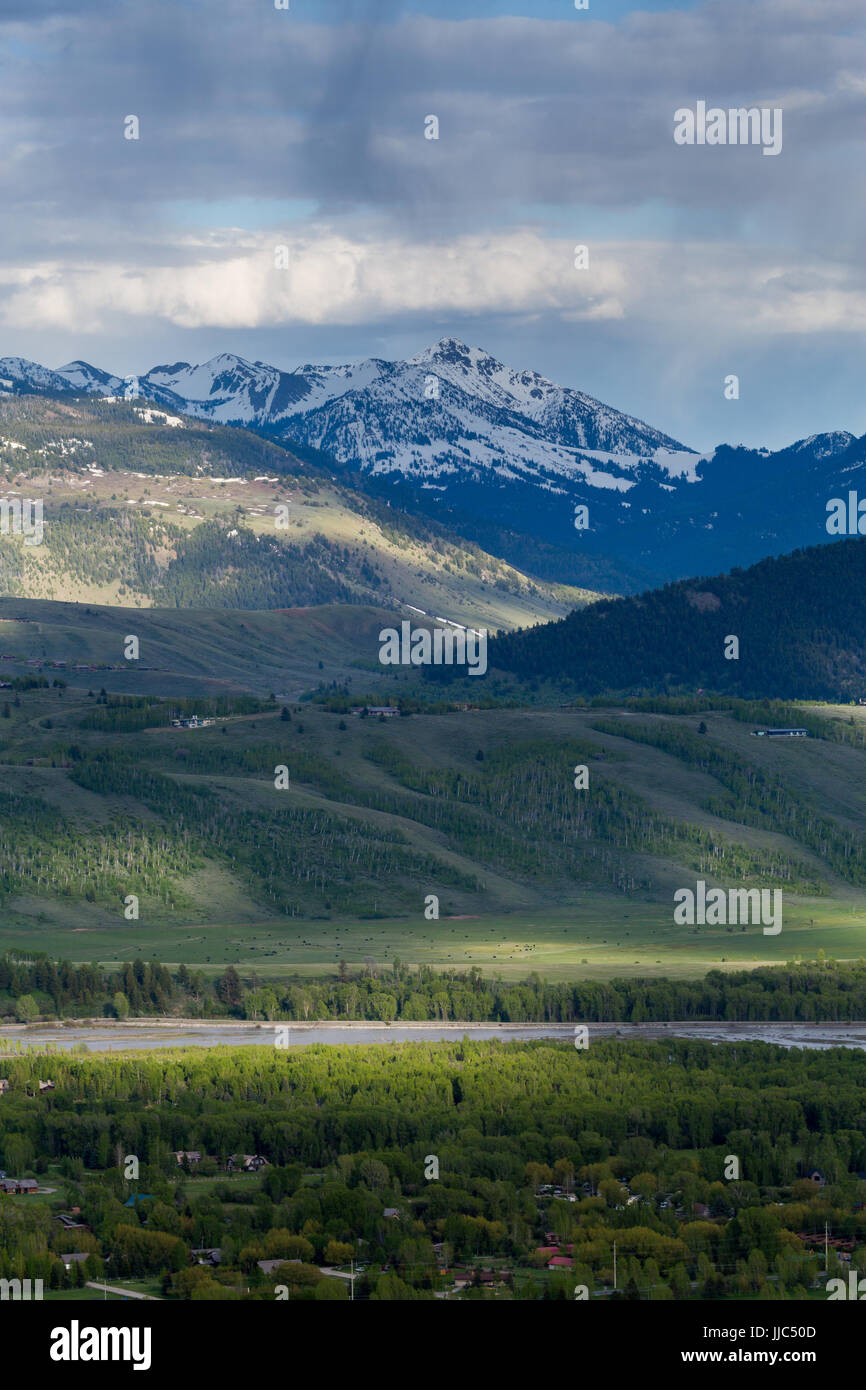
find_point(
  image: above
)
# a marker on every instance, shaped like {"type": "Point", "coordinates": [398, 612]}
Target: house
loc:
{"type": "Point", "coordinates": [250, 1163]}
{"type": "Point", "coordinates": [190, 1155]}
{"type": "Point", "coordinates": [46, 1086]}
{"type": "Point", "coordinates": [815, 1175]}
{"type": "Point", "coordinates": [819, 1242]}
{"type": "Point", "coordinates": [206, 1256]}
{"type": "Point", "coordinates": [559, 1262]}
{"type": "Point", "coordinates": [70, 1224]}
{"type": "Point", "coordinates": [780, 733]}
{"type": "Point", "coordinates": [4, 1085]}
{"type": "Point", "coordinates": [391, 1213]}
{"type": "Point", "coordinates": [19, 1187]}
{"type": "Point", "coordinates": [75, 1257]}
{"type": "Point", "coordinates": [380, 711]}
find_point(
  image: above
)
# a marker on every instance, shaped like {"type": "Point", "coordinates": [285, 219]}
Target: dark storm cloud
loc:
{"type": "Point", "coordinates": [247, 101]}
{"type": "Point", "coordinates": [551, 132]}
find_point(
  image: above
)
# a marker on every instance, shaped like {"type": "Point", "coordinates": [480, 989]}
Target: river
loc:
{"type": "Point", "coordinates": [150, 1034]}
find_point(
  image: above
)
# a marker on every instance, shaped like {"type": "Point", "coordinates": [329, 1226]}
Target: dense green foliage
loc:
{"type": "Point", "coordinates": [754, 796]}
{"type": "Point", "coordinates": [212, 568]}
{"type": "Point", "coordinates": [64, 434]}
{"type": "Point", "coordinates": [540, 1148]}
{"type": "Point", "coordinates": [802, 992]}
{"type": "Point", "coordinates": [41, 852]}
{"type": "Point", "coordinates": [345, 842]}
{"type": "Point", "coordinates": [820, 991]}
{"type": "Point", "coordinates": [800, 620]}
{"type": "Point", "coordinates": [548, 823]}
{"type": "Point", "coordinates": [128, 713]}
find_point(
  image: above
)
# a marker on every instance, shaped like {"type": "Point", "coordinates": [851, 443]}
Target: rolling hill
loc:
{"type": "Point", "coordinates": [101, 798]}
{"type": "Point", "coordinates": [143, 508]}
{"type": "Point", "coordinates": [799, 621]}
{"type": "Point", "coordinates": [187, 651]}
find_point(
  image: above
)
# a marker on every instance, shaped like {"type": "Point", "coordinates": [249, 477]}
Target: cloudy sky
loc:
{"type": "Point", "coordinates": [305, 128]}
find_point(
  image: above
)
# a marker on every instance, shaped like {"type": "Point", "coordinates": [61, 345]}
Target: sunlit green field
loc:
{"type": "Point", "coordinates": [602, 939]}
{"type": "Point", "coordinates": [497, 917]}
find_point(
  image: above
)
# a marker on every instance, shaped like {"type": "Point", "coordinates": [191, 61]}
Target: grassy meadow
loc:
{"type": "Point", "coordinates": [526, 882]}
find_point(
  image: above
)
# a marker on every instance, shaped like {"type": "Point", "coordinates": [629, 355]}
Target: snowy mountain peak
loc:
{"type": "Point", "coordinates": [30, 375]}
{"type": "Point", "coordinates": [451, 409]}
{"type": "Point", "coordinates": [229, 361]}
{"type": "Point", "coordinates": [81, 376]}
{"type": "Point", "coordinates": [169, 369]}
{"type": "Point", "coordinates": [826, 445]}
{"type": "Point", "coordinates": [448, 350]}
{"type": "Point", "coordinates": [456, 434]}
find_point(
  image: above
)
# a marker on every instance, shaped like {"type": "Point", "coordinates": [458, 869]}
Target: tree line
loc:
{"type": "Point", "coordinates": [819, 991]}
{"type": "Point", "coordinates": [673, 639]}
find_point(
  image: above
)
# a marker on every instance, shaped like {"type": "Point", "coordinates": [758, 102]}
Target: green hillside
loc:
{"type": "Point", "coordinates": [800, 622]}
{"type": "Point", "coordinates": [102, 799]}
{"type": "Point", "coordinates": [469, 797]}
{"type": "Point", "coordinates": [144, 508]}
{"type": "Point", "coordinates": [188, 651]}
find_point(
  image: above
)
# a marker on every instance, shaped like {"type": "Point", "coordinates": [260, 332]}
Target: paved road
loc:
{"type": "Point", "coordinates": [124, 1293]}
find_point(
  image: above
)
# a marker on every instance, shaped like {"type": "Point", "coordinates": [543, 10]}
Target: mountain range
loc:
{"type": "Point", "coordinates": [508, 459]}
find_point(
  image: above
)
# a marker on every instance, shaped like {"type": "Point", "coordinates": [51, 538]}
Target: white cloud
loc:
{"type": "Point", "coordinates": [330, 279]}
{"type": "Point", "coordinates": [230, 282]}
